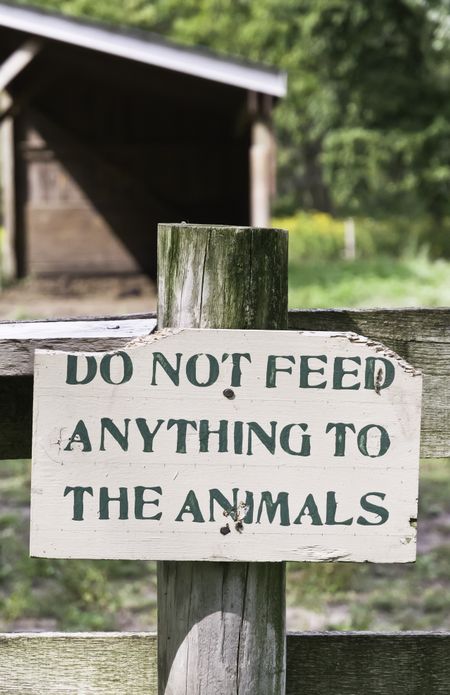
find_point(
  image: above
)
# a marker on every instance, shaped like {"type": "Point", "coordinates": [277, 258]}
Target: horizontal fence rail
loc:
{"type": "Point", "coordinates": [421, 336]}
{"type": "Point", "coordinates": [317, 663]}
{"type": "Point", "coordinates": [19, 340]}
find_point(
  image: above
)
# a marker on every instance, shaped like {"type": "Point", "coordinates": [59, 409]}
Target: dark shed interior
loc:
{"type": "Point", "coordinates": [106, 148]}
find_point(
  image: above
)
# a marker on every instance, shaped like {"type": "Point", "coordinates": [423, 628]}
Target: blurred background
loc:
{"type": "Point", "coordinates": [115, 115]}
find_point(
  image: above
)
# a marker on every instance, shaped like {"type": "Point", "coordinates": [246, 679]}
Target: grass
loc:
{"type": "Point", "coordinates": [106, 595]}
{"type": "Point", "coordinates": [63, 594]}
{"type": "Point", "coordinates": [382, 282]}
{"type": "Point", "coordinates": [379, 597]}
{"type": "Point", "coordinates": [103, 595]}
{"type": "Point", "coordinates": [388, 597]}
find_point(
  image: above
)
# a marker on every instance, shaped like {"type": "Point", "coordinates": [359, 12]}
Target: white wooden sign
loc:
{"type": "Point", "coordinates": [227, 445]}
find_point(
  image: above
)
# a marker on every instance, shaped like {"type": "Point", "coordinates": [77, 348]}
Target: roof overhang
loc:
{"type": "Point", "coordinates": [145, 48]}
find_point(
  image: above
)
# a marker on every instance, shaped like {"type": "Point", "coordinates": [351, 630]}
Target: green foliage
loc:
{"type": "Point", "coordinates": [383, 281]}
{"type": "Point", "coordinates": [390, 172]}
{"type": "Point", "coordinates": [312, 236]}
{"type": "Point", "coordinates": [365, 127]}
{"type": "Point", "coordinates": [319, 236]}
{"type": "Point", "coordinates": [126, 12]}
{"type": "Point", "coordinates": [70, 594]}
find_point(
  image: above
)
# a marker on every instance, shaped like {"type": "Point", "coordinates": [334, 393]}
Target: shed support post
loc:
{"type": "Point", "coordinates": [221, 626]}
{"type": "Point", "coordinates": [262, 161]}
{"type": "Point", "coordinates": [18, 61]}
{"type": "Point", "coordinates": [8, 261]}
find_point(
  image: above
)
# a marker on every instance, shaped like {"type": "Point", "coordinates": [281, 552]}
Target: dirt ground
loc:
{"type": "Point", "coordinates": [35, 298]}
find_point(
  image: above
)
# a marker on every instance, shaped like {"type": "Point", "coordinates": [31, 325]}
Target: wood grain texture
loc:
{"type": "Point", "coordinates": [317, 664]}
{"type": "Point", "coordinates": [420, 336]}
{"type": "Point", "coordinates": [222, 277]}
{"type": "Point", "coordinates": [93, 243]}
{"type": "Point", "coordinates": [369, 663]}
{"type": "Point", "coordinates": [19, 339]}
{"type": "Point", "coordinates": [69, 664]}
{"type": "Point", "coordinates": [221, 628]}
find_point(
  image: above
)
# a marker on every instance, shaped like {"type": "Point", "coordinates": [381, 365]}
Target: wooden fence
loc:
{"type": "Point", "coordinates": [116, 663]}
{"type": "Point", "coordinates": [421, 336]}
{"type": "Point", "coordinates": [122, 663]}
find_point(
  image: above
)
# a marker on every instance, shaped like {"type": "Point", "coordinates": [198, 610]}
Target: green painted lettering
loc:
{"type": "Point", "coordinates": [310, 510]}
{"type": "Point", "coordinates": [306, 370]}
{"type": "Point", "coordinates": [147, 434]}
{"type": "Point", "coordinates": [191, 370]}
{"type": "Point", "coordinates": [339, 373]}
{"type": "Point", "coordinates": [236, 372]}
{"type": "Point", "coordinates": [139, 502]}
{"type": "Point", "coordinates": [172, 372]}
{"type": "Point", "coordinates": [272, 369]}
{"type": "Point", "coordinates": [78, 503]}
{"type": "Point", "coordinates": [305, 439]}
{"type": "Point", "coordinates": [238, 436]}
{"type": "Point", "coordinates": [105, 499]}
{"type": "Point", "coordinates": [249, 506]}
{"type": "Point", "coordinates": [127, 367]}
{"type": "Point", "coordinates": [340, 436]}
{"type": "Point", "coordinates": [383, 444]}
{"type": "Point", "coordinates": [374, 373]}
{"type": "Point", "coordinates": [382, 514]}
{"type": "Point", "coordinates": [79, 436]}
{"type": "Point", "coordinates": [229, 507]}
{"type": "Point", "coordinates": [205, 432]}
{"type": "Point", "coordinates": [181, 426]}
{"type": "Point", "coordinates": [267, 439]}
{"type": "Point", "coordinates": [72, 369]}
{"type": "Point", "coordinates": [272, 507]}
{"type": "Point", "coordinates": [107, 425]}
{"type": "Point", "coordinates": [191, 506]}
{"type": "Point", "coordinates": [331, 512]}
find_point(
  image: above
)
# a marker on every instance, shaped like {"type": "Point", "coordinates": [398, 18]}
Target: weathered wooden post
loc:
{"type": "Point", "coordinates": [221, 626]}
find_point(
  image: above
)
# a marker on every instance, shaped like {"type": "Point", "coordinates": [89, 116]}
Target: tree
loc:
{"type": "Point", "coordinates": [365, 127]}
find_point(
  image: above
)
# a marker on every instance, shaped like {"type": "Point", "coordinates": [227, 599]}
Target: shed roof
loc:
{"type": "Point", "coordinates": [143, 47]}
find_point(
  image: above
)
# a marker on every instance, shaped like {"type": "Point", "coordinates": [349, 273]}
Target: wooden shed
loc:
{"type": "Point", "coordinates": [106, 132]}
